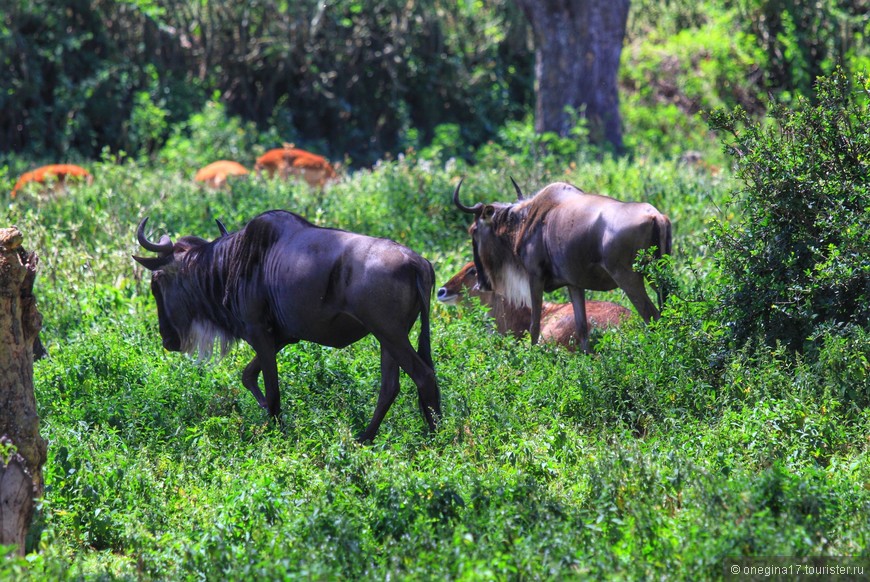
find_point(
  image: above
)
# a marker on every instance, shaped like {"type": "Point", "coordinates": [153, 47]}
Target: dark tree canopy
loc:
{"type": "Point", "coordinates": [355, 78]}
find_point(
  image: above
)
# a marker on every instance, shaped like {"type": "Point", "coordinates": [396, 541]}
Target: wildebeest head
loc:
{"type": "Point", "coordinates": [491, 243]}
{"type": "Point", "coordinates": [180, 329]}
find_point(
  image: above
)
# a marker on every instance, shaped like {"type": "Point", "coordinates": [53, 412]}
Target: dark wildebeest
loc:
{"type": "Point", "coordinates": [557, 319]}
{"type": "Point", "coordinates": [564, 237]}
{"type": "Point", "coordinates": [281, 279]}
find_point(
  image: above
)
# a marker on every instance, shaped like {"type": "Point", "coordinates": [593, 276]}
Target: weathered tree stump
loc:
{"type": "Point", "coordinates": [22, 449]}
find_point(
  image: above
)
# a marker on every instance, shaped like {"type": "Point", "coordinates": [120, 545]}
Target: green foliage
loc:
{"type": "Point", "coordinates": [799, 257]}
{"type": "Point", "coordinates": [148, 124]}
{"type": "Point", "coordinates": [347, 78]}
{"type": "Point", "coordinates": [658, 455]}
{"type": "Point", "coordinates": [360, 80]}
{"type": "Point", "coordinates": [803, 40]}
{"type": "Point", "coordinates": [674, 73]}
{"type": "Point", "coordinates": [210, 135]}
{"type": "Point", "coordinates": [84, 75]}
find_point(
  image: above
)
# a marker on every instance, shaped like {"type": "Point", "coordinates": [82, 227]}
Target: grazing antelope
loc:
{"type": "Point", "coordinates": [55, 175]}
{"type": "Point", "coordinates": [215, 174]}
{"type": "Point", "coordinates": [290, 161]}
{"type": "Point", "coordinates": [557, 319]}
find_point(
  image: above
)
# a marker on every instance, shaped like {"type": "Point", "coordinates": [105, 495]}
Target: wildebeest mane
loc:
{"type": "Point", "coordinates": [247, 249]}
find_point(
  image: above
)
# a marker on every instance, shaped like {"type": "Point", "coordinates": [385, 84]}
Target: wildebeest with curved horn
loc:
{"type": "Point", "coordinates": [281, 279]}
{"type": "Point", "coordinates": [564, 237]}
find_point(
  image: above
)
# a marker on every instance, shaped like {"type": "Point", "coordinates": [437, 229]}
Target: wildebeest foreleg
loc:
{"type": "Point", "coordinates": [250, 380]}
{"type": "Point", "coordinates": [578, 302]}
{"type": "Point", "coordinates": [537, 296]}
{"type": "Point", "coordinates": [388, 393]}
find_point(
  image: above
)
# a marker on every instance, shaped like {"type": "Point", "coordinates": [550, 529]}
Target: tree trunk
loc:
{"type": "Point", "coordinates": [577, 49]}
{"type": "Point", "coordinates": [22, 449]}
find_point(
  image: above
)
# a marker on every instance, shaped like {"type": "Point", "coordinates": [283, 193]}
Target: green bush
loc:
{"type": "Point", "coordinates": [803, 40]}
{"type": "Point", "coordinates": [210, 135]}
{"type": "Point", "coordinates": [798, 258]}
{"type": "Point", "coordinates": [347, 78]}
{"type": "Point", "coordinates": [670, 78]}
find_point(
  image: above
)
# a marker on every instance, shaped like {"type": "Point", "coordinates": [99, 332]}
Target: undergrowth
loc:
{"type": "Point", "coordinates": [660, 454]}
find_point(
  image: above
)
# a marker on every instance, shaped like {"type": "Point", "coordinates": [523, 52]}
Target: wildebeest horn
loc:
{"type": "Point", "coordinates": [469, 209]}
{"type": "Point", "coordinates": [517, 188]}
{"type": "Point", "coordinates": [164, 246]}
{"type": "Point", "coordinates": [221, 227]}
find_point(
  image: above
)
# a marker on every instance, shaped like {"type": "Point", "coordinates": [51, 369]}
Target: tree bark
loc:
{"type": "Point", "coordinates": [578, 44]}
{"type": "Point", "coordinates": [22, 449]}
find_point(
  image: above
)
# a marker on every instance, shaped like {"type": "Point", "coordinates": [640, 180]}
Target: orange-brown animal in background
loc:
{"type": "Point", "coordinates": [557, 319]}
{"type": "Point", "coordinates": [290, 161]}
{"type": "Point", "coordinates": [55, 174]}
{"type": "Point", "coordinates": [215, 174]}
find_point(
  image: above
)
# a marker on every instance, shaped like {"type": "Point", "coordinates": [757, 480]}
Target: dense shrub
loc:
{"type": "Point", "coordinates": [361, 79]}
{"type": "Point", "coordinates": [800, 256]}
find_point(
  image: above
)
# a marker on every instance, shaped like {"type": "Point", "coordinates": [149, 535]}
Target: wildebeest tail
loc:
{"type": "Point", "coordinates": [425, 289]}
{"type": "Point", "coordinates": [662, 239]}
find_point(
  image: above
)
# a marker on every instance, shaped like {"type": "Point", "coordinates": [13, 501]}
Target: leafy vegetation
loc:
{"type": "Point", "coordinates": [361, 80]}
{"type": "Point", "coordinates": [346, 78]}
{"type": "Point", "coordinates": [666, 451]}
{"type": "Point", "coordinates": [800, 258]}
{"type": "Point", "coordinates": [707, 434]}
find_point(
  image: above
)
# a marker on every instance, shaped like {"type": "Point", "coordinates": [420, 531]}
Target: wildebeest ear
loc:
{"type": "Point", "coordinates": [488, 212]}
{"type": "Point", "coordinates": [154, 263]}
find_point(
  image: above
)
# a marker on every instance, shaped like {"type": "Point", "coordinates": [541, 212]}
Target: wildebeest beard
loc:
{"type": "Point", "coordinates": [499, 271]}
{"type": "Point", "coordinates": [210, 320]}
{"type": "Point", "coordinates": [200, 339]}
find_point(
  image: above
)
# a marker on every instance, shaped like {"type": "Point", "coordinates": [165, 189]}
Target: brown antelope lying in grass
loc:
{"type": "Point", "coordinates": [55, 175]}
{"type": "Point", "coordinates": [290, 161]}
{"type": "Point", "coordinates": [557, 319]}
{"type": "Point", "coordinates": [216, 174]}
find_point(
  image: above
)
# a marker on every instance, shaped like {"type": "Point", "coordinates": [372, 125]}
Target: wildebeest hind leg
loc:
{"type": "Point", "coordinates": [388, 393]}
{"type": "Point", "coordinates": [633, 285]}
{"type": "Point", "coordinates": [249, 379]}
{"type": "Point", "coordinates": [269, 367]}
{"type": "Point", "coordinates": [423, 376]}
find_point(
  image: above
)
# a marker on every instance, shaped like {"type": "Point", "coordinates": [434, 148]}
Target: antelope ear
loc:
{"type": "Point", "coordinates": [154, 263]}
